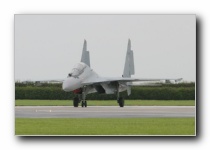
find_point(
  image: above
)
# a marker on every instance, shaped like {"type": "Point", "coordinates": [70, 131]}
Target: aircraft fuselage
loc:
{"type": "Point", "coordinates": [79, 74]}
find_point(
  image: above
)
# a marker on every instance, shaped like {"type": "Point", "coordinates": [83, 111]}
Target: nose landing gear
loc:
{"type": "Point", "coordinates": [80, 98]}
{"type": "Point", "coordinates": [84, 104]}
{"type": "Point", "coordinates": [77, 100]}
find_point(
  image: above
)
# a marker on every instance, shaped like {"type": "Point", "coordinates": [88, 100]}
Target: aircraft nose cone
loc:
{"type": "Point", "coordinates": [71, 84]}
{"type": "Point", "coordinates": [65, 86]}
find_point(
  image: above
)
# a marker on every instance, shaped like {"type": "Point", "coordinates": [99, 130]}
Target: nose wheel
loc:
{"type": "Point", "coordinates": [84, 104]}
{"type": "Point", "coordinates": [80, 98]}
{"type": "Point", "coordinates": [76, 102]}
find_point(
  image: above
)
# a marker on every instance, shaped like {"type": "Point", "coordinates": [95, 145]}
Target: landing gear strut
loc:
{"type": "Point", "coordinates": [84, 104]}
{"type": "Point", "coordinates": [80, 98]}
{"type": "Point", "coordinates": [77, 100]}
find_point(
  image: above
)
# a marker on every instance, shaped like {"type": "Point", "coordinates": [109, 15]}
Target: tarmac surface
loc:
{"type": "Point", "coordinates": [104, 111]}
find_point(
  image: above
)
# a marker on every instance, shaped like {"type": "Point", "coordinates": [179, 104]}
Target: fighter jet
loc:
{"type": "Point", "coordinates": [83, 80]}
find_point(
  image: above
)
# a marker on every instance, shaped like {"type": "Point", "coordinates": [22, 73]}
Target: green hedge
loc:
{"type": "Point", "coordinates": [149, 93]}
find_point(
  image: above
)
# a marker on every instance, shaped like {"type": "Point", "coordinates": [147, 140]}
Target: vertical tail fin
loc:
{"type": "Point", "coordinates": [85, 54]}
{"type": "Point", "coordinates": [129, 65]}
{"type": "Point", "coordinates": [129, 62]}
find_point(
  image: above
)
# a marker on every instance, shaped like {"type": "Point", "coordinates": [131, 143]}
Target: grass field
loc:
{"type": "Point", "coordinates": [105, 126]}
{"type": "Point", "coordinates": [106, 103]}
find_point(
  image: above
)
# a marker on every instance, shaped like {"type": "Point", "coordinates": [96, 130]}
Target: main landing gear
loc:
{"type": "Point", "coordinates": [120, 101]}
{"type": "Point", "coordinates": [81, 98]}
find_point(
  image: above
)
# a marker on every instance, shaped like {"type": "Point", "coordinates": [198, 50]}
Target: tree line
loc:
{"type": "Point", "coordinates": [47, 91]}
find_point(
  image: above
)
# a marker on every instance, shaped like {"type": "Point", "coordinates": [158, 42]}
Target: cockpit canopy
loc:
{"type": "Point", "coordinates": [77, 70]}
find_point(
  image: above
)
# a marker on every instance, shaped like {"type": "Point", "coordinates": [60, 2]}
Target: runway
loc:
{"type": "Point", "coordinates": [104, 111]}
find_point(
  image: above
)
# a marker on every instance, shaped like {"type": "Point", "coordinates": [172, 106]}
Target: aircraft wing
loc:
{"type": "Point", "coordinates": [130, 80]}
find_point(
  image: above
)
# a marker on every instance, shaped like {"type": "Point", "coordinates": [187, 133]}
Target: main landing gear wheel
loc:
{"type": "Point", "coordinates": [84, 104]}
{"type": "Point", "coordinates": [76, 102]}
{"type": "Point", "coordinates": [121, 102]}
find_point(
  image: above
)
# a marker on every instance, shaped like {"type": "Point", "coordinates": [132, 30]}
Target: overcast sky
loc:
{"type": "Point", "coordinates": [48, 46]}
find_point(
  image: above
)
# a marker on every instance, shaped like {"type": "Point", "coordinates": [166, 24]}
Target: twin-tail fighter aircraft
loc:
{"type": "Point", "coordinates": [83, 80]}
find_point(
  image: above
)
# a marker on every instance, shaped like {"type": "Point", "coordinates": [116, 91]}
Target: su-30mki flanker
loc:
{"type": "Point", "coordinates": [83, 80]}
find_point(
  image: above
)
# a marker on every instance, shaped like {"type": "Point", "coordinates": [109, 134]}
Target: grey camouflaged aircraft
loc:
{"type": "Point", "coordinates": [83, 80]}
